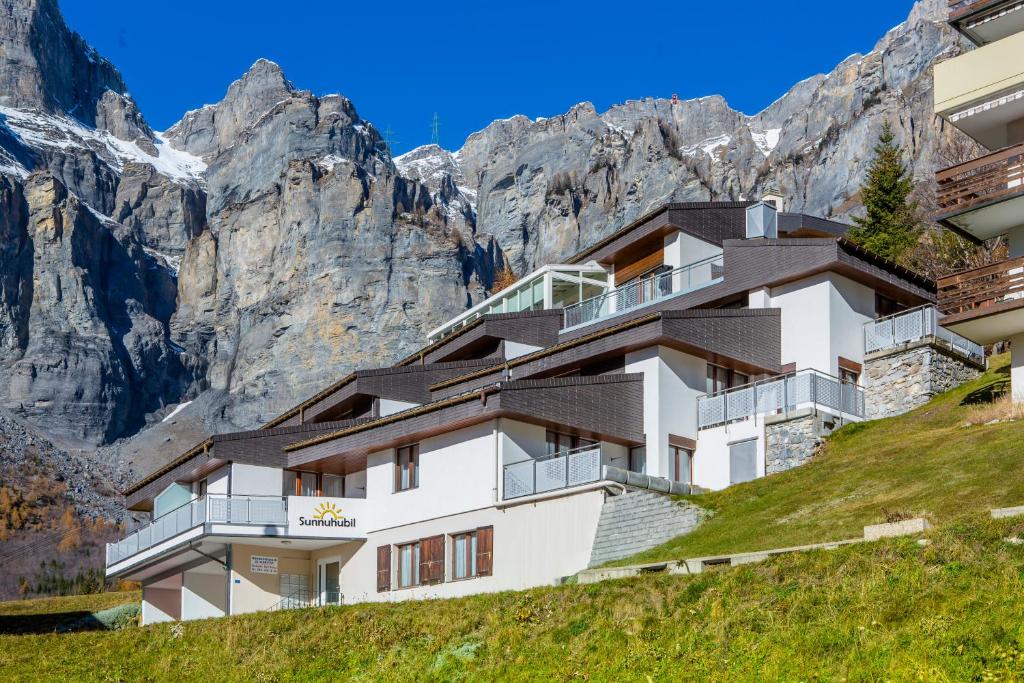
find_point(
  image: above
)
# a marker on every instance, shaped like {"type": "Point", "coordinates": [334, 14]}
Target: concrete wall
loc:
{"type": "Point", "coordinates": [203, 594]}
{"type": "Point", "coordinates": [458, 472]}
{"type": "Point", "coordinates": [162, 601]}
{"type": "Point", "coordinates": [255, 480]}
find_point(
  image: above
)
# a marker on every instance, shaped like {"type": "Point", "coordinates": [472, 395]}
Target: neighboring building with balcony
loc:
{"type": "Point", "coordinates": [685, 351]}
{"type": "Point", "coordinates": [981, 92]}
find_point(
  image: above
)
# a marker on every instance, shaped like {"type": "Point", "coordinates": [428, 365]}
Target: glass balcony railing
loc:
{"type": "Point", "coordinates": [644, 292]}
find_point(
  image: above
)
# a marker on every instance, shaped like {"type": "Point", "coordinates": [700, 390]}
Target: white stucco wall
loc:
{"type": "Point", "coordinates": [1017, 368]}
{"type": "Point", "coordinates": [711, 461]}
{"type": "Point", "coordinates": [217, 481]}
{"type": "Point", "coordinates": [161, 601]}
{"type": "Point", "coordinates": [682, 249]}
{"type": "Point", "coordinates": [516, 349]}
{"type": "Point", "coordinates": [203, 595]}
{"type": "Point", "coordinates": [521, 441]}
{"type": "Point", "coordinates": [390, 406]}
{"type": "Point", "coordinates": [458, 472]}
{"type": "Point", "coordinates": [256, 480]}
{"type": "Point", "coordinates": [672, 382]}
{"type": "Point", "coordinates": [534, 544]}
{"type": "Point", "coordinates": [250, 591]}
{"type": "Point", "coordinates": [823, 318]}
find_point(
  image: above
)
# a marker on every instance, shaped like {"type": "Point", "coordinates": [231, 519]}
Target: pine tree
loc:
{"type": "Point", "coordinates": [890, 227]}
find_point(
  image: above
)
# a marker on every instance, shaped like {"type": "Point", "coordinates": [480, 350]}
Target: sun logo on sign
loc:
{"type": "Point", "coordinates": [327, 509]}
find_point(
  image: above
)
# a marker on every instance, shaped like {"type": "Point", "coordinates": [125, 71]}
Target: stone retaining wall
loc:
{"type": "Point", "coordinates": [899, 380]}
{"type": "Point", "coordinates": [791, 442]}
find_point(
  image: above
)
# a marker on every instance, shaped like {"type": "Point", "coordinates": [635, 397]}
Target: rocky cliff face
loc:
{"type": "Point", "coordinates": [269, 243]}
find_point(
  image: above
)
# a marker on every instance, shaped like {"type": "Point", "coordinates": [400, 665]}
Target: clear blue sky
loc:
{"type": "Point", "coordinates": [474, 62]}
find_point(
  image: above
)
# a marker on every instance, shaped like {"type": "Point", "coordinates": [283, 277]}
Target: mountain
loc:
{"type": "Point", "coordinates": [267, 244]}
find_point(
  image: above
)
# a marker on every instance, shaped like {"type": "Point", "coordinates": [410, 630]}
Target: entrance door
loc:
{"type": "Point", "coordinates": [330, 583]}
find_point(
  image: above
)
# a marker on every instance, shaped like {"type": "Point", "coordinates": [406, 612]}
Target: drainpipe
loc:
{"type": "Point", "coordinates": [497, 460]}
{"type": "Point", "coordinates": [228, 565]}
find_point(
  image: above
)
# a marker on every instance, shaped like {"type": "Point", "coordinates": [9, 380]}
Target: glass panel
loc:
{"type": "Point", "coordinates": [334, 485]}
{"type": "Point", "coordinates": [590, 291]}
{"type": "Point", "coordinates": [512, 303]}
{"type": "Point", "coordinates": [308, 484]}
{"type": "Point", "coordinates": [472, 555]}
{"type": "Point", "coordinates": [405, 566]}
{"type": "Point", "coordinates": [460, 557]}
{"type": "Point", "coordinates": [332, 583]}
{"type": "Point", "coordinates": [415, 563]}
{"type": "Point", "coordinates": [498, 307]}
{"type": "Point", "coordinates": [564, 293]}
{"type": "Point", "coordinates": [552, 443]}
{"type": "Point", "coordinates": [638, 459]}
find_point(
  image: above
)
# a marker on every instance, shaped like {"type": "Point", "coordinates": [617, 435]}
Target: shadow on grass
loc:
{"type": "Point", "coordinates": [25, 624]}
{"type": "Point", "coordinates": [989, 393]}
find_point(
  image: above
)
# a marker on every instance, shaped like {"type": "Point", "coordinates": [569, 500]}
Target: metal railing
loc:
{"type": "Point", "coordinates": [780, 395]}
{"type": "Point", "coordinates": [915, 325]}
{"type": "Point", "coordinates": [306, 598]}
{"type": "Point", "coordinates": [213, 508]}
{"type": "Point", "coordinates": [550, 473]}
{"type": "Point", "coordinates": [644, 291]}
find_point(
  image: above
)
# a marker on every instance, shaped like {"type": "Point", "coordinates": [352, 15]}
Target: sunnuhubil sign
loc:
{"type": "Point", "coordinates": [331, 517]}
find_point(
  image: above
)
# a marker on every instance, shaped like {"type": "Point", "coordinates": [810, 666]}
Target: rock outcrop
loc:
{"type": "Point", "coordinates": [268, 243]}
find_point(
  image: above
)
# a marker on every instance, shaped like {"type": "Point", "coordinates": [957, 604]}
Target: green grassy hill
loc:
{"type": "Point", "coordinates": [949, 610]}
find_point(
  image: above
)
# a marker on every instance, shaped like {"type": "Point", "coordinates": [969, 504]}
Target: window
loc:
{"type": "Point", "coordinates": [464, 556]}
{"type": "Point", "coordinates": [407, 467]}
{"type": "Point", "coordinates": [409, 565]}
{"type": "Point", "coordinates": [291, 484]}
{"type": "Point", "coordinates": [884, 306]}
{"type": "Point", "coordinates": [201, 488]}
{"type": "Point", "coordinates": [333, 485]}
{"type": "Point", "coordinates": [308, 484]}
{"type": "Point", "coordinates": [638, 459]}
{"type": "Point", "coordinates": [720, 379]}
{"type": "Point", "coordinates": [848, 376]}
{"type": "Point", "coordinates": [681, 462]}
{"type": "Point", "coordinates": [558, 442]}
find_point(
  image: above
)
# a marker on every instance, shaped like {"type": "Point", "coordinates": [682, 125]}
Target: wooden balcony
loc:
{"type": "Point", "coordinates": [966, 189]}
{"type": "Point", "coordinates": [984, 304]}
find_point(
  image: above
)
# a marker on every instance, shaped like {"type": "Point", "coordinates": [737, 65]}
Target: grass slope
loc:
{"type": "Point", "coordinates": [949, 611]}
{"type": "Point", "coordinates": [925, 463]}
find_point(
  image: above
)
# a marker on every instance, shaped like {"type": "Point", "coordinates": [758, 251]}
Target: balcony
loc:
{"type": "Point", "coordinates": [984, 197]}
{"type": "Point", "coordinates": [915, 325]}
{"type": "Point", "coordinates": [981, 92]}
{"type": "Point", "coordinates": [781, 396]}
{"type": "Point", "coordinates": [217, 515]}
{"type": "Point", "coordinates": [986, 21]}
{"type": "Point", "coordinates": [985, 304]}
{"type": "Point", "coordinates": [559, 471]}
{"type": "Point", "coordinates": [644, 292]}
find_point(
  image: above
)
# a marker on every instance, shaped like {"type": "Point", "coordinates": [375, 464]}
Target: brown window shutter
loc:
{"type": "Point", "coordinates": [383, 568]}
{"type": "Point", "coordinates": [484, 550]}
{"type": "Point", "coordinates": [432, 560]}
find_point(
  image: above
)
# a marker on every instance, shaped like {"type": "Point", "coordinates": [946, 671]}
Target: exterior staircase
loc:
{"type": "Point", "coordinates": [639, 520]}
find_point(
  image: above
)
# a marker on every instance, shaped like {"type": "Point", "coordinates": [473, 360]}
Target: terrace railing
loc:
{"type": "Point", "coordinates": [213, 508]}
{"type": "Point", "coordinates": [780, 395]}
{"type": "Point", "coordinates": [990, 178]}
{"type": "Point", "coordinates": [914, 325]}
{"type": "Point", "coordinates": [644, 292]}
{"type": "Point", "coordinates": [558, 471]}
{"type": "Point", "coordinates": [980, 288]}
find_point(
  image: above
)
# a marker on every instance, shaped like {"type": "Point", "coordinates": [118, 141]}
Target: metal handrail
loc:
{"type": "Point", "coordinates": [217, 508]}
{"type": "Point", "coordinates": [640, 293]}
{"type": "Point", "coordinates": [780, 394]}
{"type": "Point", "coordinates": [578, 466]}
{"type": "Point", "coordinates": [915, 324]}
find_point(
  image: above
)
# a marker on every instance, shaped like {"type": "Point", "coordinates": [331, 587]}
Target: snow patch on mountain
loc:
{"type": "Point", "coordinates": [767, 140]}
{"type": "Point", "coordinates": [36, 129]}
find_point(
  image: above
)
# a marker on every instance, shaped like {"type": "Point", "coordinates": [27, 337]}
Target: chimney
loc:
{"type": "Point", "coordinates": [762, 221]}
{"type": "Point", "coordinates": [773, 196]}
